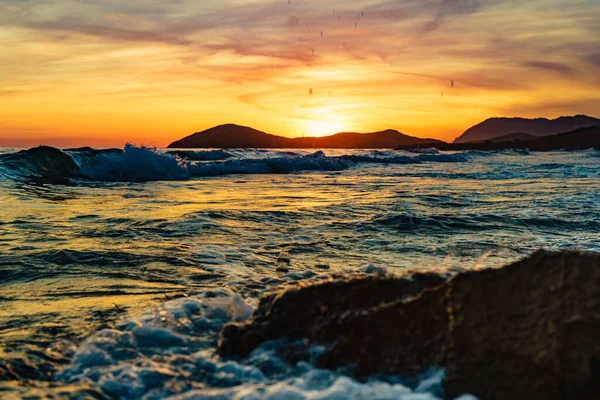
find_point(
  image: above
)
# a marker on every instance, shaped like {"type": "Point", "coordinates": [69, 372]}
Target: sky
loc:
{"type": "Point", "coordinates": [106, 72]}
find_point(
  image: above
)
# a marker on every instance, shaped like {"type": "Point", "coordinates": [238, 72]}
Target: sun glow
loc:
{"type": "Point", "coordinates": [286, 69]}
{"type": "Point", "coordinates": [323, 127]}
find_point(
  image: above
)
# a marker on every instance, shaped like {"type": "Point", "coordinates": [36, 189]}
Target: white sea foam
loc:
{"type": "Point", "coordinates": [133, 164]}
{"type": "Point", "coordinates": [201, 155]}
{"type": "Point", "coordinates": [170, 353]}
{"type": "Point", "coordinates": [141, 164]}
{"type": "Point", "coordinates": [373, 269]}
{"type": "Point", "coordinates": [316, 384]}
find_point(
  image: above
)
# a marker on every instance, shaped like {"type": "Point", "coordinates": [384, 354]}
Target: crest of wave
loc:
{"type": "Point", "coordinates": [133, 164]}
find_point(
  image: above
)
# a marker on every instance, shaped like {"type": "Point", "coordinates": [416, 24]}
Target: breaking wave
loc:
{"type": "Point", "coordinates": [208, 155]}
{"type": "Point", "coordinates": [142, 164]}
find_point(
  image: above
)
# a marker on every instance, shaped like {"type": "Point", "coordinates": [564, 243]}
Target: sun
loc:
{"type": "Point", "coordinates": [323, 127]}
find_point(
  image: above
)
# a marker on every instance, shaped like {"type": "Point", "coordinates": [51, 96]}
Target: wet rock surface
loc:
{"type": "Point", "coordinates": [308, 310]}
{"type": "Point", "coordinates": [528, 330]}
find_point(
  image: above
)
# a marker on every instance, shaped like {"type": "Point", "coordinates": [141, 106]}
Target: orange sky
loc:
{"type": "Point", "coordinates": [76, 73]}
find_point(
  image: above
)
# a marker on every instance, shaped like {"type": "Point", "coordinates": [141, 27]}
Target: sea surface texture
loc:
{"type": "Point", "coordinates": [119, 267]}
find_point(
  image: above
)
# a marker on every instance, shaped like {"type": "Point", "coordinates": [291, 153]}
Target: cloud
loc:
{"type": "Point", "coordinates": [176, 21]}
{"type": "Point", "coordinates": [77, 56]}
{"type": "Point", "coordinates": [594, 59]}
{"type": "Point", "coordinates": [550, 66]}
{"type": "Point", "coordinates": [448, 8]}
{"type": "Point", "coordinates": [175, 35]}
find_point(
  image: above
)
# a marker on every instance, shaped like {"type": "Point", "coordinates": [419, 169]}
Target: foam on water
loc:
{"type": "Point", "coordinates": [77, 242]}
{"type": "Point", "coordinates": [313, 162]}
{"type": "Point", "coordinates": [141, 164]}
{"type": "Point", "coordinates": [169, 353]}
{"type": "Point", "coordinates": [201, 155]}
{"type": "Point", "coordinates": [133, 164]}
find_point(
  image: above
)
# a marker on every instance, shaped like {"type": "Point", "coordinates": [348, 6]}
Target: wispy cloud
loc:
{"type": "Point", "coordinates": [448, 8]}
{"type": "Point", "coordinates": [594, 59]}
{"type": "Point", "coordinates": [550, 66]}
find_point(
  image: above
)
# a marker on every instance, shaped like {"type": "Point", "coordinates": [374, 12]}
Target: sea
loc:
{"type": "Point", "coordinates": [119, 267]}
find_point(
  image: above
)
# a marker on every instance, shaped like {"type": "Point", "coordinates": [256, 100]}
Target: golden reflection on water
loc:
{"type": "Point", "coordinates": [72, 250]}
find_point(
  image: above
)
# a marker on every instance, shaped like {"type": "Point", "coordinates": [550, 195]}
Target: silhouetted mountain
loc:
{"type": "Point", "coordinates": [235, 136]}
{"type": "Point", "coordinates": [579, 139]}
{"type": "Point", "coordinates": [230, 136]}
{"type": "Point", "coordinates": [510, 137]}
{"type": "Point", "coordinates": [495, 127]}
{"type": "Point", "coordinates": [387, 139]}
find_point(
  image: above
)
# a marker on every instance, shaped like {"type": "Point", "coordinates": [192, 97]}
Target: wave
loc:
{"type": "Point", "coordinates": [519, 152]}
{"type": "Point", "coordinates": [276, 165]}
{"type": "Point", "coordinates": [141, 164]}
{"type": "Point", "coordinates": [423, 151]}
{"type": "Point", "coordinates": [408, 222]}
{"type": "Point", "coordinates": [40, 165]}
{"type": "Point", "coordinates": [593, 153]}
{"type": "Point", "coordinates": [133, 164]}
{"type": "Point", "coordinates": [208, 155]}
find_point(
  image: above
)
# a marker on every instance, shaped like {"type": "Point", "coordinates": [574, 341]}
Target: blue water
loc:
{"type": "Point", "coordinates": [97, 249]}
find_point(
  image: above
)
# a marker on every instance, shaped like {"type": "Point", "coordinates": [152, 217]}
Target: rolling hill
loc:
{"type": "Point", "coordinates": [235, 136]}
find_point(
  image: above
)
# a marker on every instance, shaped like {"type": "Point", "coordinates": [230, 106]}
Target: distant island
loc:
{"type": "Point", "coordinates": [576, 132]}
{"type": "Point", "coordinates": [579, 139]}
{"type": "Point", "coordinates": [498, 127]}
{"type": "Point", "coordinates": [235, 136]}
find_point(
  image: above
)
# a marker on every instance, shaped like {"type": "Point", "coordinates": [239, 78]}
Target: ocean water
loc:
{"type": "Point", "coordinates": [119, 267]}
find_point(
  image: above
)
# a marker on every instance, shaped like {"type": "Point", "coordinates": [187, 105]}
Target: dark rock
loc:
{"type": "Point", "coordinates": [528, 330]}
{"type": "Point", "coordinates": [298, 312]}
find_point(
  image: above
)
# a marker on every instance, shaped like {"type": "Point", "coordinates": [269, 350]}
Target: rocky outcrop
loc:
{"type": "Point", "coordinates": [305, 311]}
{"type": "Point", "coordinates": [528, 330]}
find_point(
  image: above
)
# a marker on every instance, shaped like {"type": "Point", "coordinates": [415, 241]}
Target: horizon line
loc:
{"type": "Point", "coordinates": [20, 143]}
